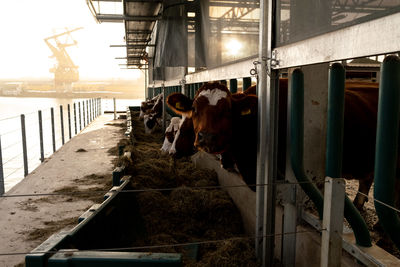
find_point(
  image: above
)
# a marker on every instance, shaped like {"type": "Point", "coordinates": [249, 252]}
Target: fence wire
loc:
{"type": "Point", "coordinates": [374, 199]}
{"type": "Point", "coordinates": [164, 245]}
{"type": "Point", "coordinates": [13, 172]}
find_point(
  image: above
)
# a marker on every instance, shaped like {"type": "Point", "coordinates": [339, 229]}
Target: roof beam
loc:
{"type": "Point", "coordinates": [138, 32]}
{"type": "Point", "coordinates": [133, 45]}
{"type": "Point", "coordinates": [139, 1]}
{"type": "Point", "coordinates": [122, 18]}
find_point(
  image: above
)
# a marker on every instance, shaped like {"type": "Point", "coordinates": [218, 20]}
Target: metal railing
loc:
{"type": "Point", "coordinates": [16, 154]}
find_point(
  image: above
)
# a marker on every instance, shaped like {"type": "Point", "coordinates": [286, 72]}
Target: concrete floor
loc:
{"type": "Point", "coordinates": [26, 221]}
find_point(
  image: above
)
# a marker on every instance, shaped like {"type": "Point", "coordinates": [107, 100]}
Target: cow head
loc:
{"type": "Point", "coordinates": [211, 114]}
{"type": "Point", "coordinates": [182, 145]}
{"type": "Point", "coordinates": [152, 115]}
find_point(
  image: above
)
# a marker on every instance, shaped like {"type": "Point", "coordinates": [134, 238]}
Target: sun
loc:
{"type": "Point", "coordinates": [233, 47]}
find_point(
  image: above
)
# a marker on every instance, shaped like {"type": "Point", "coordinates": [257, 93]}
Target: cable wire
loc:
{"type": "Point", "coordinates": [163, 246]}
{"type": "Point", "coordinates": [138, 190]}
{"type": "Point", "coordinates": [13, 172]}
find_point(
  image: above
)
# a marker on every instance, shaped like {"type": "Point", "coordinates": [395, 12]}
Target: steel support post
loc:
{"type": "Point", "coordinates": [24, 150]}
{"type": "Point", "coordinates": [2, 190]}
{"type": "Point", "coordinates": [266, 151]}
{"type": "Point", "coordinates": [332, 223]}
{"type": "Point", "coordinates": [53, 135]}
{"type": "Point", "coordinates": [290, 209]}
{"type": "Point", "coordinates": [62, 124]}
{"type": "Point", "coordinates": [41, 136]}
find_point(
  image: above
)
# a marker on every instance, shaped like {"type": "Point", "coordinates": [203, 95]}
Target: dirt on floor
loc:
{"type": "Point", "coordinates": [55, 194]}
{"type": "Point", "coordinates": [371, 219]}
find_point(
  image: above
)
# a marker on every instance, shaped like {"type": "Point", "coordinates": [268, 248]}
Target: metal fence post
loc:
{"type": "Point", "coordinates": [1, 172]}
{"type": "Point", "coordinates": [331, 241]}
{"type": "Point", "coordinates": [91, 109]}
{"type": "Point", "coordinates": [100, 109]}
{"type": "Point", "coordinates": [62, 124]}
{"type": "Point", "coordinates": [52, 130]}
{"type": "Point", "coordinates": [69, 121]}
{"type": "Point", "coordinates": [83, 113]}
{"type": "Point", "coordinates": [75, 118]}
{"type": "Point", "coordinates": [41, 136]}
{"type": "Point", "coordinates": [24, 152]}
{"type": "Point", "coordinates": [87, 113]}
{"type": "Point", "coordinates": [80, 117]}
{"type": "Point", "coordinates": [115, 109]}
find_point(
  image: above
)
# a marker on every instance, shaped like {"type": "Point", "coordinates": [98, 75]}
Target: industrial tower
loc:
{"type": "Point", "coordinates": [65, 71]}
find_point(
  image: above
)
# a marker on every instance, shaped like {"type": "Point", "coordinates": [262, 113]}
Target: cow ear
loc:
{"type": "Point", "coordinates": [246, 106]}
{"type": "Point", "coordinates": [179, 103]}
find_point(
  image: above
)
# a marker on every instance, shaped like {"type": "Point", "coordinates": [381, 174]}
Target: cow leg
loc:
{"type": "Point", "coordinates": [363, 186]}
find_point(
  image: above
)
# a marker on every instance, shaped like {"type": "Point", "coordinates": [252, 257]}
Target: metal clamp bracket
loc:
{"type": "Point", "coordinates": [269, 62]}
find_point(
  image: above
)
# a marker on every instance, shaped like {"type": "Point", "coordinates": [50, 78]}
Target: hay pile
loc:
{"type": "Point", "coordinates": [186, 211]}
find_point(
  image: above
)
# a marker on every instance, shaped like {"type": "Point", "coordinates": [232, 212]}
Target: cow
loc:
{"type": "Point", "coordinates": [170, 134]}
{"type": "Point", "coordinates": [183, 144]}
{"type": "Point", "coordinates": [147, 105]}
{"type": "Point", "coordinates": [152, 117]}
{"type": "Point", "coordinates": [359, 137]}
{"type": "Point", "coordinates": [223, 124]}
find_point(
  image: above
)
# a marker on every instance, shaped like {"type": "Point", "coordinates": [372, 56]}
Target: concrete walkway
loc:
{"type": "Point", "coordinates": [26, 221]}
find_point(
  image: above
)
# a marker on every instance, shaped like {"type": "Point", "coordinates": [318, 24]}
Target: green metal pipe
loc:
{"type": "Point", "coordinates": [233, 85]}
{"type": "Point", "coordinates": [296, 140]}
{"type": "Point", "coordinates": [246, 83]}
{"type": "Point", "coordinates": [387, 147]}
{"type": "Point", "coordinates": [187, 90]}
{"type": "Point", "coordinates": [191, 86]}
{"type": "Point", "coordinates": [334, 149]}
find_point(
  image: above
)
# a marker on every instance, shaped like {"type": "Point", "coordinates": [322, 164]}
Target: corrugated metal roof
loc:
{"type": "Point", "coordinates": [138, 30]}
{"type": "Point", "coordinates": [139, 18]}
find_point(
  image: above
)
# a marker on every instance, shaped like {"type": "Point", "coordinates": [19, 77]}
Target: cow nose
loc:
{"type": "Point", "coordinates": [205, 138]}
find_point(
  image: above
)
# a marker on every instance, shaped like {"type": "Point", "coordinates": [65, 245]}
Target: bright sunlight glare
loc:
{"type": "Point", "coordinates": [233, 47]}
{"type": "Point", "coordinates": [26, 23]}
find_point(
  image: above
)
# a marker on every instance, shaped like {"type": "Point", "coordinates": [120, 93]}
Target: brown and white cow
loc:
{"type": "Point", "coordinates": [152, 116]}
{"type": "Point", "coordinates": [222, 124]}
{"type": "Point", "coordinates": [170, 134]}
{"type": "Point", "coordinates": [183, 144]}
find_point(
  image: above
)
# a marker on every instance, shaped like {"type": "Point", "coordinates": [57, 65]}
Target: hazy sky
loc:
{"type": "Point", "coordinates": [25, 23]}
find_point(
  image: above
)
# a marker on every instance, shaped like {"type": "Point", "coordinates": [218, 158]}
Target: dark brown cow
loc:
{"type": "Point", "coordinates": [223, 125]}
{"type": "Point", "coordinates": [360, 123]}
